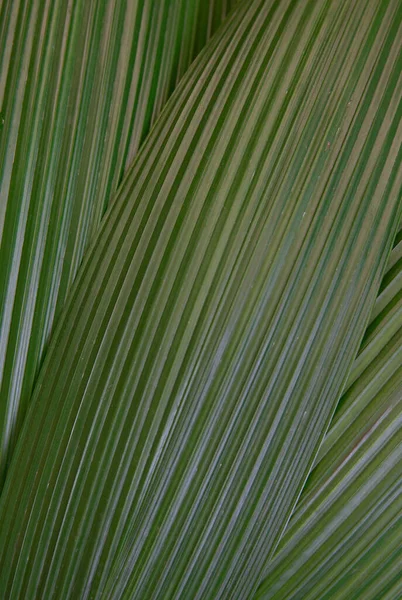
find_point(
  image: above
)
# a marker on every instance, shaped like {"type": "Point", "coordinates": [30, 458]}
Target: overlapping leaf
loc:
{"type": "Point", "coordinates": [81, 82]}
{"type": "Point", "coordinates": [211, 328]}
{"type": "Point", "coordinates": [378, 359]}
{"type": "Point", "coordinates": [345, 538]}
{"type": "Point", "coordinates": [354, 457]}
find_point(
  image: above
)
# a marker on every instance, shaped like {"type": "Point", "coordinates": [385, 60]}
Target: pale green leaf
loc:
{"type": "Point", "coordinates": [345, 537]}
{"type": "Point", "coordinates": [379, 357]}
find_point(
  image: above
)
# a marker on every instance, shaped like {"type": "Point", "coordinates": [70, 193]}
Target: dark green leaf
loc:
{"type": "Point", "coordinates": [81, 83]}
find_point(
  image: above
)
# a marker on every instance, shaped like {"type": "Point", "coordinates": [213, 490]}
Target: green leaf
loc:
{"type": "Point", "coordinates": [373, 368]}
{"type": "Point", "coordinates": [345, 537]}
{"type": "Point", "coordinates": [81, 83]}
{"type": "Point", "coordinates": [385, 317]}
{"type": "Point", "coordinates": [209, 333]}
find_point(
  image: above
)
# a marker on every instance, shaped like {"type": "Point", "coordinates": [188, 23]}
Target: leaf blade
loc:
{"type": "Point", "coordinates": [85, 85]}
{"type": "Point", "coordinates": [164, 367]}
{"type": "Point", "coordinates": [347, 525]}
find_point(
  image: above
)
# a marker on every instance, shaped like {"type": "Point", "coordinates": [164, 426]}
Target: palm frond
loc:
{"type": "Point", "coordinates": [209, 334]}
{"type": "Point", "coordinates": [81, 83]}
{"type": "Point", "coordinates": [345, 536]}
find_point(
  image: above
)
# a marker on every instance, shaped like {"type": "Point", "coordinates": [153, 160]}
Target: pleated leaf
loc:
{"type": "Point", "coordinates": [211, 328]}
{"type": "Point", "coordinates": [345, 538]}
{"type": "Point", "coordinates": [81, 82]}
{"type": "Point", "coordinates": [379, 357]}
